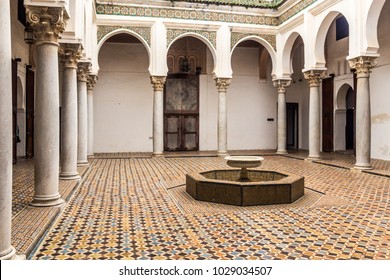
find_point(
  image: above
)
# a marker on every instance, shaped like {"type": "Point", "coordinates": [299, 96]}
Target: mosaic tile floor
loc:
{"type": "Point", "coordinates": [135, 208]}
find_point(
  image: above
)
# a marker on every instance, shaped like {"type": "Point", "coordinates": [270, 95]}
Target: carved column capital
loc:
{"type": "Point", "coordinates": [91, 81]}
{"type": "Point", "coordinates": [158, 82]}
{"type": "Point", "coordinates": [281, 84]}
{"type": "Point", "coordinates": [70, 54]}
{"type": "Point", "coordinates": [47, 22]}
{"type": "Point", "coordinates": [222, 83]}
{"type": "Point", "coordinates": [83, 71]}
{"type": "Point", "coordinates": [314, 77]}
{"type": "Point", "coordinates": [363, 65]}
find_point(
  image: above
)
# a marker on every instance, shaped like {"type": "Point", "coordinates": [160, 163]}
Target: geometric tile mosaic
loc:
{"type": "Point", "coordinates": [126, 208]}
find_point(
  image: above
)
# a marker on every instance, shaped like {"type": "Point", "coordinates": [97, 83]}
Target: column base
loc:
{"type": "Point", "coordinates": [83, 163]}
{"type": "Point", "coordinates": [313, 158]}
{"type": "Point", "coordinates": [10, 255]}
{"type": "Point", "coordinates": [69, 176]}
{"type": "Point", "coordinates": [222, 154]}
{"type": "Point", "coordinates": [363, 166]}
{"type": "Point", "coordinates": [158, 155]}
{"type": "Point", "coordinates": [282, 152]}
{"type": "Point", "coordinates": [46, 200]}
{"type": "Point", "coordinates": [91, 156]}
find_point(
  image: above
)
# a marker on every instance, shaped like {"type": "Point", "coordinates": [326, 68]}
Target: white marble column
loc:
{"type": "Point", "coordinates": [47, 23]}
{"type": "Point", "coordinates": [82, 101]}
{"type": "Point", "coordinates": [363, 66]}
{"type": "Point", "coordinates": [158, 115]}
{"type": "Point", "coordinates": [222, 85]}
{"type": "Point", "coordinates": [314, 78]}
{"type": "Point", "coordinates": [90, 85]}
{"type": "Point", "coordinates": [6, 250]}
{"type": "Point", "coordinates": [281, 85]}
{"type": "Point", "coordinates": [70, 53]}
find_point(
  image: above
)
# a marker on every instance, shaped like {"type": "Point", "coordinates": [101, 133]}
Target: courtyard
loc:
{"type": "Point", "coordinates": [132, 206]}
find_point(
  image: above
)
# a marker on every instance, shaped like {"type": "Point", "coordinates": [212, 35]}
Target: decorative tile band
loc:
{"type": "Point", "coordinates": [243, 3]}
{"type": "Point", "coordinates": [177, 13]}
{"type": "Point", "coordinates": [143, 32]}
{"type": "Point", "coordinates": [211, 36]}
{"type": "Point", "coordinates": [237, 36]}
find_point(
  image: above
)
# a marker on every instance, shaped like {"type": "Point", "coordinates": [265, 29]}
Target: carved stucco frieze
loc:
{"type": "Point", "coordinates": [222, 84]}
{"type": "Point", "coordinates": [158, 82]}
{"type": "Point", "coordinates": [83, 71]}
{"type": "Point", "coordinates": [70, 54]}
{"type": "Point", "coordinates": [47, 22]}
{"type": "Point", "coordinates": [314, 77]}
{"type": "Point", "coordinates": [91, 81]}
{"type": "Point", "coordinates": [363, 65]}
{"type": "Point", "coordinates": [281, 85]}
{"type": "Point", "coordinates": [172, 34]}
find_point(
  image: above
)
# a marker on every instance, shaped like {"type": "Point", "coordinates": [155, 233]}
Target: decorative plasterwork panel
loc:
{"type": "Point", "coordinates": [143, 32]}
{"type": "Point", "coordinates": [177, 13]}
{"type": "Point", "coordinates": [295, 9]}
{"type": "Point", "coordinates": [237, 36]}
{"type": "Point", "coordinates": [211, 36]}
{"type": "Point", "coordinates": [243, 3]}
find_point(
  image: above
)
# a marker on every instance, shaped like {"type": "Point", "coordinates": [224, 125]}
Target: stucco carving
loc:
{"type": "Point", "coordinates": [363, 65]}
{"type": "Point", "coordinates": [314, 77]}
{"type": "Point", "coordinates": [47, 22]}
{"type": "Point", "coordinates": [158, 82]}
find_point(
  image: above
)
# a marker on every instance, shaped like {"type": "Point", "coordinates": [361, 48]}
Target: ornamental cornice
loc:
{"type": "Point", "coordinates": [222, 83]}
{"type": "Point", "coordinates": [237, 36]}
{"type": "Point", "coordinates": [91, 81]}
{"type": "Point", "coordinates": [143, 32]}
{"type": "Point", "coordinates": [173, 33]}
{"type": "Point", "coordinates": [158, 82]}
{"type": "Point", "coordinates": [363, 65]}
{"type": "Point", "coordinates": [281, 84]}
{"type": "Point", "coordinates": [314, 77]}
{"type": "Point", "coordinates": [201, 14]}
{"type": "Point", "coordinates": [70, 54]}
{"type": "Point", "coordinates": [83, 71]}
{"type": "Point", "coordinates": [47, 23]}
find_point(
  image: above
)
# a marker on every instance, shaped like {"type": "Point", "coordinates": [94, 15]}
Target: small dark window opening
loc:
{"type": "Point", "coordinates": [21, 12]}
{"type": "Point", "coordinates": [342, 28]}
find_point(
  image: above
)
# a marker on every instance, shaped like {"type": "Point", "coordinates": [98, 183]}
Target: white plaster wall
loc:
{"type": "Point", "coordinates": [249, 103]}
{"type": "Point", "coordinates": [123, 100]}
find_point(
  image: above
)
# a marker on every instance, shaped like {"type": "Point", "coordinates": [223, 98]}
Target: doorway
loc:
{"type": "Point", "coordinates": [327, 114]}
{"type": "Point", "coordinates": [350, 126]}
{"type": "Point", "coordinates": [181, 113]}
{"type": "Point", "coordinates": [292, 126]}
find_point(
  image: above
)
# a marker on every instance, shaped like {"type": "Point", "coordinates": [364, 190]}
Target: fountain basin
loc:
{"type": "Point", "coordinates": [265, 187]}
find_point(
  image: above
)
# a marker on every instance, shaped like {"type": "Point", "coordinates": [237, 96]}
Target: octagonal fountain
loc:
{"type": "Point", "coordinates": [245, 187]}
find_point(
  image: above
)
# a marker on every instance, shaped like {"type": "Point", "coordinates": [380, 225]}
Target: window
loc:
{"type": "Point", "coordinates": [342, 28]}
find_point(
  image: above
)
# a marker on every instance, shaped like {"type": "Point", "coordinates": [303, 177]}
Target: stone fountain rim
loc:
{"type": "Point", "coordinates": [244, 158]}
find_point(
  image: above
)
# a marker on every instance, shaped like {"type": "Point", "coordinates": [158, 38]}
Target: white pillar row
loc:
{"type": "Point", "coordinates": [47, 23]}
{"type": "Point", "coordinates": [363, 66]}
{"type": "Point", "coordinates": [222, 85]}
{"type": "Point", "coordinates": [90, 85]}
{"type": "Point", "coordinates": [70, 53]}
{"type": "Point", "coordinates": [6, 250]}
{"type": "Point", "coordinates": [281, 85]}
{"type": "Point", "coordinates": [158, 114]}
{"type": "Point", "coordinates": [314, 78]}
{"type": "Point", "coordinates": [82, 107]}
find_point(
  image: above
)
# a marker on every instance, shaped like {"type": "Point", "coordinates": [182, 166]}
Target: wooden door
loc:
{"type": "Point", "coordinates": [29, 112]}
{"type": "Point", "coordinates": [327, 114]}
{"type": "Point", "coordinates": [181, 113]}
{"type": "Point", "coordinates": [14, 108]}
{"type": "Point", "coordinates": [292, 126]}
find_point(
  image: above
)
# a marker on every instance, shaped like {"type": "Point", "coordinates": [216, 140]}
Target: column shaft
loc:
{"type": "Point", "coordinates": [222, 85]}
{"type": "Point", "coordinates": [158, 115]}
{"type": "Point", "coordinates": [90, 122]}
{"type": "Point", "coordinates": [69, 118]}
{"type": "Point", "coordinates": [6, 250]}
{"type": "Point", "coordinates": [82, 107]}
{"type": "Point", "coordinates": [281, 86]}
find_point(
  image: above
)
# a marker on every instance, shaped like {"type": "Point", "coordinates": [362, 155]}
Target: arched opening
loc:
{"type": "Point", "coordinates": [190, 65]}
{"type": "Point", "coordinates": [123, 97]}
{"type": "Point", "coordinates": [21, 120]}
{"type": "Point", "coordinates": [350, 126]}
{"type": "Point", "coordinates": [251, 98]}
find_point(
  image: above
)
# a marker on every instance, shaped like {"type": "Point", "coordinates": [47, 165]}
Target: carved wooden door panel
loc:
{"type": "Point", "coordinates": [181, 113]}
{"type": "Point", "coordinates": [29, 113]}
